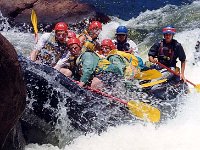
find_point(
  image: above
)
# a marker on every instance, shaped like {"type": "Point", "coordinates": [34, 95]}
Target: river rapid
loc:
{"type": "Point", "coordinates": [179, 133]}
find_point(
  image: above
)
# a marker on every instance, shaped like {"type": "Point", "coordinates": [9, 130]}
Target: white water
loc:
{"type": "Point", "coordinates": [181, 133]}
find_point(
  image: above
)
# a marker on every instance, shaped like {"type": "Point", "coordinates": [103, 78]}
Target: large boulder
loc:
{"type": "Point", "coordinates": [48, 11]}
{"type": "Point", "coordinates": [12, 89]}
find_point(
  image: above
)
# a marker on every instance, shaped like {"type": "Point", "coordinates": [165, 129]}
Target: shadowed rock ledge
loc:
{"type": "Point", "coordinates": [12, 90]}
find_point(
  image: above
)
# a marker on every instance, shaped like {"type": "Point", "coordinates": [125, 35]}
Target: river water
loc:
{"type": "Point", "coordinates": [180, 133]}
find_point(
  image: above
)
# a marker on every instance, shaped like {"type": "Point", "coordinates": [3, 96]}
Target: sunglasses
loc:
{"type": "Point", "coordinates": [121, 34]}
{"type": "Point", "coordinates": [168, 34]}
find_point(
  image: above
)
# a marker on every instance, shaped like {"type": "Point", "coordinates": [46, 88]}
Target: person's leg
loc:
{"type": "Point", "coordinates": [96, 83]}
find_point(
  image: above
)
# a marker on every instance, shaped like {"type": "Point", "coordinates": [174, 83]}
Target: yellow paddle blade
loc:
{"type": "Point", "coordinates": [148, 75]}
{"type": "Point", "coordinates": [197, 87]}
{"type": "Point", "coordinates": [34, 21]}
{"type": "Point", "coordinates": [153, 83]}
{"type": "Point", "coordinates": [144, 111]}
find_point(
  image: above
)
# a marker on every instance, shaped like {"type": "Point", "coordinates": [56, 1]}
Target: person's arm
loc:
{"type": "Point", "coordinates": [182, 67]}
{"type": "Point", "coordinates": [182, 75]}
{"type": "Point", "coordinates": [152, 59]}
{"type": "Point", "coordinates": [33, 55]}
{"type": "Point", "coordinates": [182, 58]}
{"type": "Point", "coordinates": [153, 53]}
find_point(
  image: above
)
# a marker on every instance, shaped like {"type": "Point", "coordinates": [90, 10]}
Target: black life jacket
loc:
{"type": "Point", "coordinates": [166, 54]}
{"type": "Point", "coordinates": [122, 46]}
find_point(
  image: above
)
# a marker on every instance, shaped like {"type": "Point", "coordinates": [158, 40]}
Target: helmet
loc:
{"type": "Point", "coordinates": [71, 34]}
{"type": "Point", "coordinates": [121, 30]}
{"type": "Point", "coordinates": [95, 24]}
{"type": "Point", "coordinates": [74, 41]}
{"type": "Point", "coordinates": [109, 43]}
{"type": "Point", "coordinates": [169, 29]}
{"type": "Point", "coordinates": [61, 26]}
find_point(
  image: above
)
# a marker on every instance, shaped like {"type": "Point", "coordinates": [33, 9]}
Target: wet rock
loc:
{"type": "Point", "coordinates": [48, 11]}
{"type": "Point", "coordinates": [12, 89]}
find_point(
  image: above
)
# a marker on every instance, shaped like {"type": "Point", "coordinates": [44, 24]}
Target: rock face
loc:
{"type": "Point", "coordinates": [12, 89]}
{"type": "Point", "coordinates": [48, 11]}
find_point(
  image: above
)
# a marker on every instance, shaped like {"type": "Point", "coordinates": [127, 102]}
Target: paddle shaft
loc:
{"type": "Point", "coordinates": [138, 109]}
{"type": "Point", "coordinates": [108, 95]}
{"type": "Point", "coordinates": [172, 71]}
{"type": "Point", "coordinates": [104, 94]}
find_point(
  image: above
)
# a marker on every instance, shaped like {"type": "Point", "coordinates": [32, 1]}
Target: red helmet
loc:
{"type": "Point", "coordinates": [95, 24]}
{"type": "Point", "coordinates": [71, 34]}
{"type": "Point", "coordinates": [61, 26]}
{"type": "Point", "coordinates": [74, 41]}
{"type": "Point", "coordinates": [109, 43]}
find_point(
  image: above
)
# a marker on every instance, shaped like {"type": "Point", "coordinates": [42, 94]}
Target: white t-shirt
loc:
{"type": "Point", "coordinates": [134, 47]}
{"type": "Point", "coordinates": [63, 60]}
{"type": "Point", "coordinates": [42, 41]}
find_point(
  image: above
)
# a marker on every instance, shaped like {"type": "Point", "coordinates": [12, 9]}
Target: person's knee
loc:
{"type": "Point", "coordinates": [96, 83]}
{"type": "Point", "coordinates": [66, 72]}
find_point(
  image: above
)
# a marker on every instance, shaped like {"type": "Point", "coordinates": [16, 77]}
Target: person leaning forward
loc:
{"type": "Point", "coordinates": [81, 65]}
{"type": "Point", "coordinates": [51, 46]}
{"type": "Point", "coordinates": [117, 63]}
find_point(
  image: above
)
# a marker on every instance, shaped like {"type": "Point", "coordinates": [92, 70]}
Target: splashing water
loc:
{"type": "Point", "coordinates": [180, 133]}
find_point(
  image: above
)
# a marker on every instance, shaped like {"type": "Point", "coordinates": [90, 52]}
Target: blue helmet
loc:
{"type": "Point", "coordinates": [169, 29]}
{"type": "Point", "coordinates": [121, 30]}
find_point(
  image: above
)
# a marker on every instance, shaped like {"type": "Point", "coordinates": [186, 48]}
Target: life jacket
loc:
{"type": "Point", "coordinates": [130, 61]}
{"type": "Point", "coordinates": [52, 51]}
{"type": "Point", "coordinates": [128, 57]}
{"type": "Point", "coordinates": [71, 65]}
{"type": "Point", "coordinates": [166, 54]}
{"type": "Point", "coordinates": [71, 62]}
{"type": "Point", "coordinates": [102, 65]}
{"type": "Point", "coordinates": [89, 44]}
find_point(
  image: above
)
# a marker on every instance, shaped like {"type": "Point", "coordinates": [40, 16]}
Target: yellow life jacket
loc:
{"type": "Point", "coordinates": [88, 44]}
{"type": "Point", "coordinates": [129, 57]}
{"type": "Point", "coordinates": [130, 61]}
{"type": "Point", "coordinates": [102, 65]}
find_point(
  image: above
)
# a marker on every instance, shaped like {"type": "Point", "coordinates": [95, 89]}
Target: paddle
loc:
{"type": "Point", "coordinates": [34, 23]}
{"type": "Point", "coordinates": [139, 109]}
{"type": "Point", "coordinates": [153, 83]}
{"type": "Point", "coordinates": [196, 86]}
{"type": "Point", "coordinates": [148, 75]}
